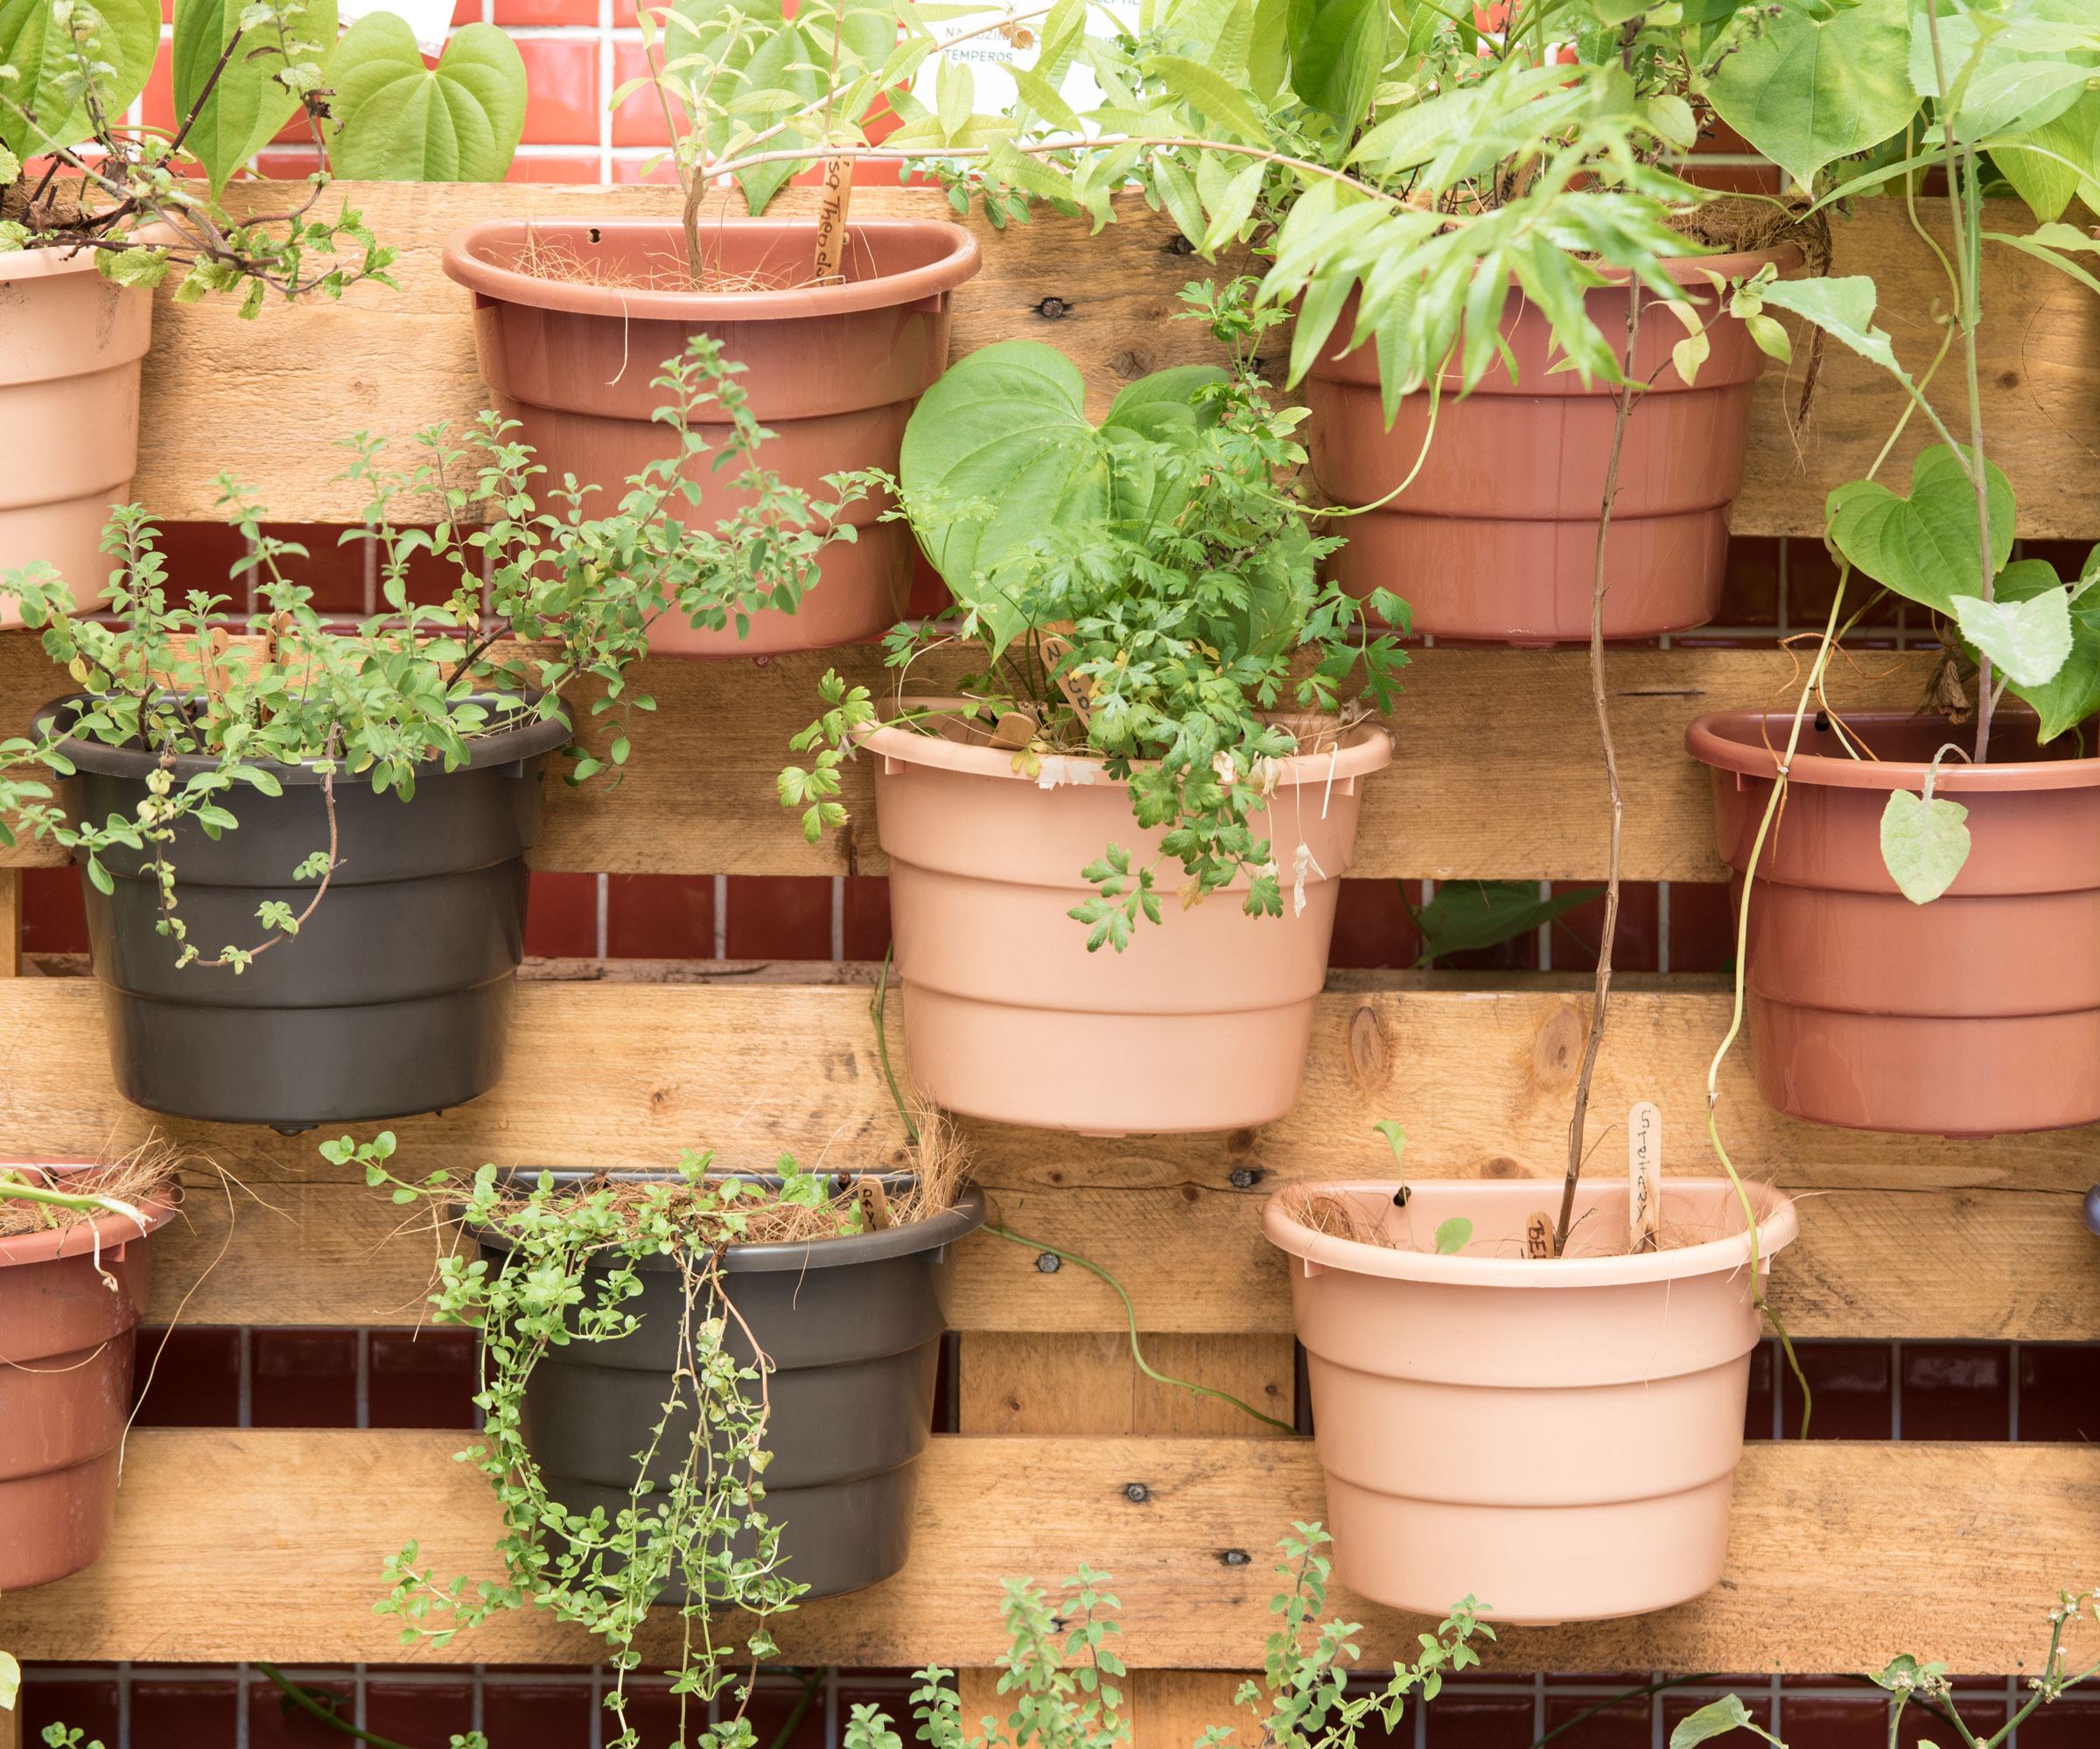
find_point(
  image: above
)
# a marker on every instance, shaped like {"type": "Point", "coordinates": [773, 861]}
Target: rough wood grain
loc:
{"type": "Point", "coordinates": [1901, 1236]}
{"type": "Point", "coordinates": [265, 399]}
{"type": "Point", "coordinates": [1496, 773]}
{"type": "Point", "coordinates": [1061, 1379]}
{"type": "Point", "coordinates": [269, 1544]}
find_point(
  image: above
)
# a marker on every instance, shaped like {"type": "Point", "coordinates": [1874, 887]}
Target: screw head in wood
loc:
{"type": "Point", "coordinates": [1049, 1263]}
{"type": "Point", "coordinates": [1137, 1493]}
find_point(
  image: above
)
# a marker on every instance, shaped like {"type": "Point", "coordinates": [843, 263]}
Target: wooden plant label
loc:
{"type": "Point", "coordinates": [1644, 1176]}
{"type": "Point", "coordinates": [831, 211]}
{"type": "Point", "coordinates": [1538, 1235]}
{"type": "Point", "coordinates": [874, 1205]}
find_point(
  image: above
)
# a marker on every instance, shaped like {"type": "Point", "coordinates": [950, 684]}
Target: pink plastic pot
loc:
{"type": "Point", "coordinates": [832, 371]}
{"type": "Point", "coordinates": [66, 1351]}
{"type": "Point", "coordinates": [1202, 1024]}
{"type": "Point", "coordinates": [1976, 1015]}
{"type": "Point", "coordinates": [70, 344]}
{"type": "Point", "coordinates": [1555, 1439]}
{"type": "Point", "coordinates": [1497, 538]}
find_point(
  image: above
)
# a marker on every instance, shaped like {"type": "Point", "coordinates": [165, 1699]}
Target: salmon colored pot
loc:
{"type": "Point", "coordinates": [1201, 1023]}
{"type": "Point", "coordinates": [832, 371]}
{"type": "Point", "coordinates": [1497, 538]}
{"type": "Point", "coordinates": [70, 347]}
{"type": "Point", "coordinates": [65, 1352]}
{"type": "Point", "coordinates": [1554, 1438]}
{"type": "Point", "coordinates": [1976, 1015]}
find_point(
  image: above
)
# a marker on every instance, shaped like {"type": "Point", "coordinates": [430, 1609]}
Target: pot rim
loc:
{"type": "Point", "coordinates": [935, 1232]}
{"type": "Point", "coordinates": [43, 262]}
{"type": "Point", "coordinates": [1367, 747]}
{"type": "Point", "coordinates": [884, 292]}
{"type": "Point", "coordinates": [81, 1238]}
{"type": "Point", "coordinates": [1778, 1227]}
{"type": "Point", "coordinates": [1712, 739]}
{"type": "Point", "coordinates": [505, 747]}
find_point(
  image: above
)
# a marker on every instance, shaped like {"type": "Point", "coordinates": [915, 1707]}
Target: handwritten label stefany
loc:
{"type": "Point", "coordinates": [1644, 1176]}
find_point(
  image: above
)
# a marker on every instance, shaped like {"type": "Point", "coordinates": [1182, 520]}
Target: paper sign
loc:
{"type": "Point", "coordinates": [1644, 1175]}
{"type": "Point", "coordinates": [990, 42]}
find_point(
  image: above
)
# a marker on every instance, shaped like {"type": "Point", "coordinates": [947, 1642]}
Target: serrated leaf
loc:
{"type": "Point", "coordinates": [400, 120]}
{"type": "Point", "coordinates": [955, 95]}
{"type": "Point", "coordinates": [1842, 308]}
{"type": "Point", "coordinates": [2027, 641]}
{"type": "Point", "coordinates": [1213, 97]}
{"type": "Point", "coordinates": [1923, 844]}
{"type": "Point", "coordinates": [32, 43]}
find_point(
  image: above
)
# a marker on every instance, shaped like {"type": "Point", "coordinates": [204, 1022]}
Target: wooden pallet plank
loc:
{"type": "Point", "coordinates": [1497, 773]}
{"type": "Point", "coordinates": [264, 398]}
{"type": "Point", "coordinates": [1055, 1378]}
{"type": "Point", "coordinates": [1917, 1236]}
{"type": "Point", "coordinates": [269, 1544]}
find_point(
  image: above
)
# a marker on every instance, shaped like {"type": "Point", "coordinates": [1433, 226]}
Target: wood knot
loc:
{"type": "Point", "coordinates": [1370, 1051]}
{"type": "Point", "coordinates": [1240, 1141]}
{"type": "Point", "coordinates": [1131, 364]}
{"type": "Point", "coordinates": [2009, 379]}
{"type": "Point", "coordinates": [1190, 1192]}
{"type": "Point", "coordinates": [1502, 1166]}
{"type": "Point", "coordinates": [1556, 1051]}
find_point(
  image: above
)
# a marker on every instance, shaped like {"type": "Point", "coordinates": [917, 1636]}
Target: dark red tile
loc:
{"type": "Point", "coordinates": [1851, 1385]}
{"type": "Point", "coordinates": [662, 917]}
{"type": "Point", "coordinates": [1755, 1696]}
{"type": "Point", "coordinates": [929, 594]}
{"type": "Point", "coordinates": [1373, 925]}
{"type": "Point", "coordinates": [1982, 1717]}
{"type": "Point", "coordinates": [2059, 1394]}
{"type": "Point", "coordinates": [867, 916]}
{"type": "Point", "coordinates": [303, 1378]}
{"type": "Point", "coordinates": [1957, 1390]}
{"type": "Point", "coordinates": [1702, 926]}
{"type": "Point", "coordinates": [1577, 933]}
{"type": "Point", "coordinates": [1628, 1726]}
{"type": "Point", "coordinates": [202, 556]}
{"type": "Point", "coordinates": [548, 1715]}
{"type": "Point", "coordinates": [561, 915]}
{"type": "Point", "coordinates": [54, 920]}
{"type": "Point", "coordinates": [177, 1714]}
{"type": "Point", "coordinates": [1457, 1720]}
{"type": "Point", "coordinates": [779, 917]}
{"type": "Point", "coordinates": [2071, 1722]}
{"type": "Point", "coordinates": [187, 1378]}
{"type": "Point", "coordinates": [1750, 588]}
{"type": "Point", "coordinates": [276, 1721]}
{"type": "Point", "coordinates": [1757, 1403]}
{"type": "Point", "coordinates": [418, 1712]}
{"type": "Point", "coordinates": [1835, 1721]}
{"type": "Point", "coordinates": [1811, 582]}
{"type": "Point", "coordinates": [423, 1378]}
{"type": "Point", "coordinates": [57, 1694]}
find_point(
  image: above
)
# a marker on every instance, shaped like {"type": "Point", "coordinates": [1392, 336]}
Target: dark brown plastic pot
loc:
{"type": "Point", "coordinates": [852, 1327]}
{"type": "Point", "coordinates": [1497, 538]}
{"type": "Point", "coordinates": [1976, 1015]}
{"type": "Point", "coordinates": [395, 997]}
{"type": "Point", "coordinates": [66, 1353]}
{"type": "Point", "coordinates": [832, 371]}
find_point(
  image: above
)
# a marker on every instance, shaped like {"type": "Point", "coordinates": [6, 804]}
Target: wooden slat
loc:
{"type": "Point", "coordinates": [264, 398]}
{"type": "Point", "coordinates": [1057, 1379]}
{"type": "Point", "coordinates": [1497, 773]}
{"type": "Point", "coordinates": [1915, 1237]}
{"type": "Point", "coordinates": [269, 1544]}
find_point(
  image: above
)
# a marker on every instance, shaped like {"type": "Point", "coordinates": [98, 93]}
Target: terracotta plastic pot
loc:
{"type": "Point", "coordinates": [1976, 1015]}
{"type": "Point", "coordinates": [70, 345]}
{"type": "Point", "coordinates": [852, 1326]}
{"type": "Point", "coordinates": [65, 1355]}
{"type": "Point", "coordinates": [1201, 1023]}
{"type": "Point", "coordinates": [1554, 1438]}
{"type": "Point", "coordinates": [1497, 538]}
{"type": "Point", "coordinates": [393, 998]}
{"type": "Point", "coordinates": [832, 371]}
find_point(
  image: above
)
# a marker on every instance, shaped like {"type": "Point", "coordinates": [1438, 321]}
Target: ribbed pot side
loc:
{"type": "Point", "coordinates": [1977, 1014]}
{"type": "Point", "coordinates": [70, 345]}
{"type": "Point", "coordinates": [852, 1326]}
{"type": "Point", "coordinates": [833, 372]}
{"type": "Point", "coordinates": [393, 998]}
{"type": "Point", "coordinates": [1497, 538]}
{"type": "Point", "coordinates": [1202, 1022]}
{"type": "Point", "coordinates": [1556, 1439]}
{"type": "Point", "coordinates": [67, 1344]}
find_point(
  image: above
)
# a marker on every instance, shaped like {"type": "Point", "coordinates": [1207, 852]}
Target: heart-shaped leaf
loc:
{"type": "Point", "coordinates": [400, 120]}
{"type": "Point", "coordinates": [1454, 1234]}
{"type": "Point", "coordinates": [1923, 844]}
{"type": "Point", "coordinates": [39, 52]}
{"type": "Point", "coordinates": [1717, 1718]}
{"type": "Point", "coordinates": [2027, 641]}
{"type": "Point", "coordinates": [2073, 693]}
{"type": "Point", "coordinates": [1924, 547]}
{"type": "Point", "coordinates": [249, 103]}
{"type": "Point", "coordinates": [1806, 90]}
{"type": "Point", "coordinates": [2062, 154]}
{"type": "Point", "coordinates": [1000, 451]}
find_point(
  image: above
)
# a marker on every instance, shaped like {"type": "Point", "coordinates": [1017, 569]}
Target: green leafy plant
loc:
{"type": "Point", "coordinates": [540, 600]}
{"type": "Point", "coordinates": [1147, 595]}
{"type": "Point", "coordinates": [1463, 915]}
{"type": "Point", "coordinates": [1062, 1671]}
{"type": "Point", "coordinates": [396, 120]}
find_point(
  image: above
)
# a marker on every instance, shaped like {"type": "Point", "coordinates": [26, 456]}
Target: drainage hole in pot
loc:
{"type": "Point", "coordinates": [1400, 1197]}
{"type": "Point", "coordinates": [1823, 722]}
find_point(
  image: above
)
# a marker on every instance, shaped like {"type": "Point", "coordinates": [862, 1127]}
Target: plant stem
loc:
{"type": "Point", "coordinates": [877, 1009]}
{"type": "Point", "coordinates": [1961, 195]}
{"type": "Point", "coordinates": [303, 1699]}
{"type": "Point", "coordinates": [1611, 771]}
{"type": "Point", "coordinates": [1130, 1312]}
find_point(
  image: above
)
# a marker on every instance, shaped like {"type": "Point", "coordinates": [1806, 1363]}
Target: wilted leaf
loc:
{"type": "Point", "coordinates": [1923, 844]}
